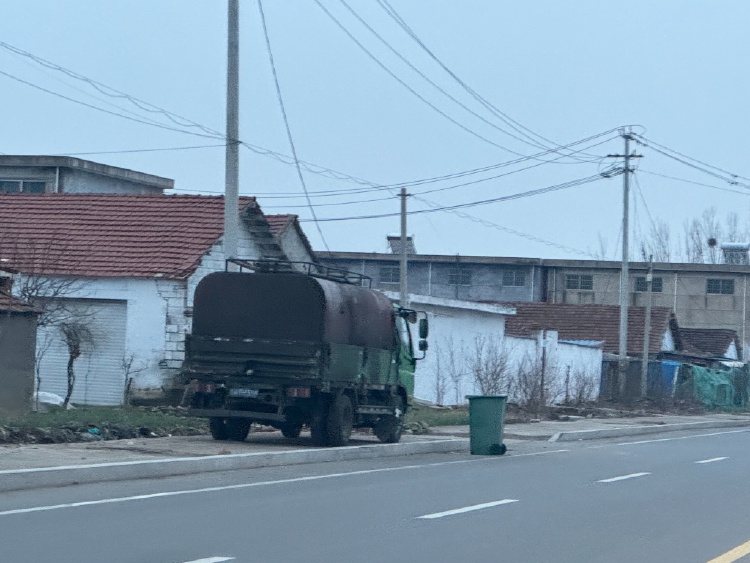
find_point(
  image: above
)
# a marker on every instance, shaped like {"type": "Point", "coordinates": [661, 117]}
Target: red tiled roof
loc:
{"type": "Point", "coordinates": [8, 303]}
{"type": "Point", "coordinates": [278, 224]}
{"type": "Point", "coordinates": [712, 341]}
{"type": "Point", "coordinates": [109, 235]}
{"type": "Point", "coordinates": [592, 322]}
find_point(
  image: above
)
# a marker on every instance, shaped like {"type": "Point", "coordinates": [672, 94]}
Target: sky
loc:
{"type": "Point", "coordinates": [560, 71]}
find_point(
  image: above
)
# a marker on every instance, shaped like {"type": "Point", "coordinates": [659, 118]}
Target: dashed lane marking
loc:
{"type": "Point", "coordinates": [623, 477]}
{"type": "Point", "coordinates": [466, 509]}
{"type": "Point", "coordinates": [711, 460]}
{"type": "Point", "coordinates": [211, 560]}
{"type": "Point", "coordinates": [165, 494]}
{"type": "Point", "coordinates": [681, 437]}
{"type": "Point", "coordinates": [733, 554]}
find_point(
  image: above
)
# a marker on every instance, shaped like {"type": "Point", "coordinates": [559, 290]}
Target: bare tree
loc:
{"type": "Point", "coordinates": [489, 364]}
{"type": "Point", "coordinates": [441, 379]}
{"type": "Point", "coordinates": [78, 338]}
{"type": "Point", "coordinates": [452, 355]}
{"type": "Point", "coordinates": [51, 295]}
{"type": "Point", "coordinates": [658, 243]}
{"type": "Point", "coordinates": [130, 367]}
{"type": "Point", "coordinates": [694, 246]}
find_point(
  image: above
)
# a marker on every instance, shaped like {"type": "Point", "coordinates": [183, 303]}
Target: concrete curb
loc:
{"type": "Point", "coordinates": [618, 432]}
{"type": "Point", "coordinates": [35, 478]}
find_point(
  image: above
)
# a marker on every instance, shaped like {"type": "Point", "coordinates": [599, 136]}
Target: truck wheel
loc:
{"type": "Point", "coordinates": [238, 429]}
{"type": "Point", "coordinates": [318, 422]}
{"type": "Point", "coordinates": [291, 430]}
{"type": "Point", "coordinates": [389, 428]}
{"type": "Point", "coordinates": [340, 421]}
{"type": "Point", "coordinates": [218, 428]}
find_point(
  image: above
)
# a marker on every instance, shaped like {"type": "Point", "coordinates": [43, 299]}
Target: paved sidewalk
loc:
{"type": "Point", "coordinates": [26, 456]}
{"type": "Point", "coordinates": [547, 429]}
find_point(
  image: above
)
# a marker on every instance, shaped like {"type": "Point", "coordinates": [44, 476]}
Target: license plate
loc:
{"type": "Point", "coordinates": [245, 393]}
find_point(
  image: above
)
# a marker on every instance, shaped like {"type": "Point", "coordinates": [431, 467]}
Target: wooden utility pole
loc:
{"type": "Point", "coordinates": [232, 164]}
{"type": "Point", "coordinates": [404, 263]}
{"type": "Point", "coordinates": [647, 327]}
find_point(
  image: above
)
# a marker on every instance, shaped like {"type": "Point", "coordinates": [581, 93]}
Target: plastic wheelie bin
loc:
{"type": "Point", "coordinates": [486, 418]}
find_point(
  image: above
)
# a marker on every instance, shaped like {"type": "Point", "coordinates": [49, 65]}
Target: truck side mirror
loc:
{"type": "Point", "coordinates": [422, 345]}
{"type": "Point", "coordinates": [424, 329]}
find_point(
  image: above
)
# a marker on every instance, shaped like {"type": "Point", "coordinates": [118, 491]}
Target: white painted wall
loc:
{"type": "Point", "coordinates": [454, 328]}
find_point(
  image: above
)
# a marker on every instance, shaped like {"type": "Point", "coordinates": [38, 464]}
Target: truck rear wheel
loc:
{"type": "Point", "coordinates": [218, 428]}
{"type": "Point", "coordinates": [389, 428]}
{"type": "Point", "coordinates": [238, 429]}
{"type": "Point", "coordinates": [291, 429]}
{"type": "Point", "coordinates": [340, 421]}
{"type": "Point", "coordinates": [318, 422]}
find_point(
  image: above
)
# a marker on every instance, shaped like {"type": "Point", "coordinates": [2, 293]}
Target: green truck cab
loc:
{"type": "Point", "coordinates": [288, 349]}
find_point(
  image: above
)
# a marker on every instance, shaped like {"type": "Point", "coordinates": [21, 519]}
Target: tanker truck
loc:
{"type": "Point", "coordinates": [290, 349]}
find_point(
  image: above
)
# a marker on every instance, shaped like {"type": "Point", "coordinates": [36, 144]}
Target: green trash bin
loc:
{"type": "Point", "coordinates": [486, 416]}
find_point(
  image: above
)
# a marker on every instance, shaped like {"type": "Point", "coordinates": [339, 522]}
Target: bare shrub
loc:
{"type": "Point", "coordinates": [489, 365]}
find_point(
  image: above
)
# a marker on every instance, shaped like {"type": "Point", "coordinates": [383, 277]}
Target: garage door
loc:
{"type": "Point", "coordinates": [100, 376]}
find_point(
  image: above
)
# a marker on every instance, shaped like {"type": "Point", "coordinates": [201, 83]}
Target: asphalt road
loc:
{"type": "Point", "coordinates": [672, 498]}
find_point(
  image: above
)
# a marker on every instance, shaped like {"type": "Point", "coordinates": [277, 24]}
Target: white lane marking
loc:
{"type": "Point", "coordinates": [682, 437]}
{"type": "Point", "coordinates": [466, 509]}
{"type": "Point", "coordinates": [211, 560]}
{"type": "Point", "coordinates": [711, 460]}
{"type": "Point", "coordinates": [623, 477]}
{"type": "Point", "coordinates": [249, 485]}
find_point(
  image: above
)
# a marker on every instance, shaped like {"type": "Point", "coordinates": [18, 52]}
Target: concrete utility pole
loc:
{"type": "Point", "coordinates": [232, 166]}
{"type": "Point", "coordinates": [624, 274]}
{"type": "Point", "coordinates": [647, 327]}
{"type": "Point", "coordinates": [404, 263]}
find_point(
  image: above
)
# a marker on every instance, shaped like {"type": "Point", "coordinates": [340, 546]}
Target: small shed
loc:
{"type": "Point", "coordinates": [17, 352]}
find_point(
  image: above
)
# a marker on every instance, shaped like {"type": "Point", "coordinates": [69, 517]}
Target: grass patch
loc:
{"type": "Point", "coordinates": [438, 417]}
{"type": "Point", "coordinates": [101, 416]}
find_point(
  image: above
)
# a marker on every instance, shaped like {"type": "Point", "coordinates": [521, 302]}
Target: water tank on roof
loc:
{"type": "Point", "coordinates": [736, 252]}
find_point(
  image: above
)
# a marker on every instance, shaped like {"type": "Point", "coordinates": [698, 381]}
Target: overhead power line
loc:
{"type": "Point", "coordinates": [433, 83]}
{"type": "Point", "coordinates": [286, 124]}
{"type": "Point", "coordinates": [521, 129]}
{"type": "Point", "coordinates": [405, 85]}
{"type": "Point", "coordinates": [529, 193]}
{"type": "Point", "coordinates": [696, 164]}
{"type": "Point", "coordinates": [127, 151]}
{"type": "Point", "coordinates": [97, 108]}
{"type": "Point", "coordinates": [745, 193]}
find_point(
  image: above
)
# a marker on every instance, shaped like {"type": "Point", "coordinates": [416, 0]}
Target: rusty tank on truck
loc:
{"type": "Point", "coordinates": [314, 349]}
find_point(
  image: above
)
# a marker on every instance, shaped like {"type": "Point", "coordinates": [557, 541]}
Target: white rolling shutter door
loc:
{"type": "Point", "coordinates": [100, 376]}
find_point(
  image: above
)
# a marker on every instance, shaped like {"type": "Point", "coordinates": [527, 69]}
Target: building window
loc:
{"type": "Point", "coordinates": [515, 278]}
{"type": "Point", "coordinates": [390, 274]}
{"type": "Point", "coordinates": [22, 186]}
{"type": "Point", "coordinates": [656, 284]}
{"type": "Point", "coordinates": [722, 287]}
{"type": "Point", "coordinates": [459, 276]}
{"type": "Point", "coordinates": [579, 281]}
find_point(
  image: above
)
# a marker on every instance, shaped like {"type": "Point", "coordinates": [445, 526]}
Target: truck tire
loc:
{"type": "Point", "coordinates": [291, 429]}
{"type": "Point", "coordinates": [318, 422]}
{"type": "Point", "coordinates": [238, 429]}
{"type": "Point", "coordinates": [218, 428]}
{"type": "Point", "coordinates": [340, 421]}
{"type": "Point", "coordinates": [389, 428]}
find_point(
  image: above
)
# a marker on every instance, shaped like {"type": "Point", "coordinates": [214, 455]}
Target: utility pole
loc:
{"type": "Point", "coordinates": [624, 273]}
{"type": "Point", "coordinates": [404, 263]}
{"type": "Point", "coordinates": [647, 327]}
{"type": "Point", "coordinates": [232, 165]}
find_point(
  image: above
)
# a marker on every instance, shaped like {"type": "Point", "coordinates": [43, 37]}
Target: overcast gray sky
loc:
{"type": "Point", "coordinates": [564, 70]}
